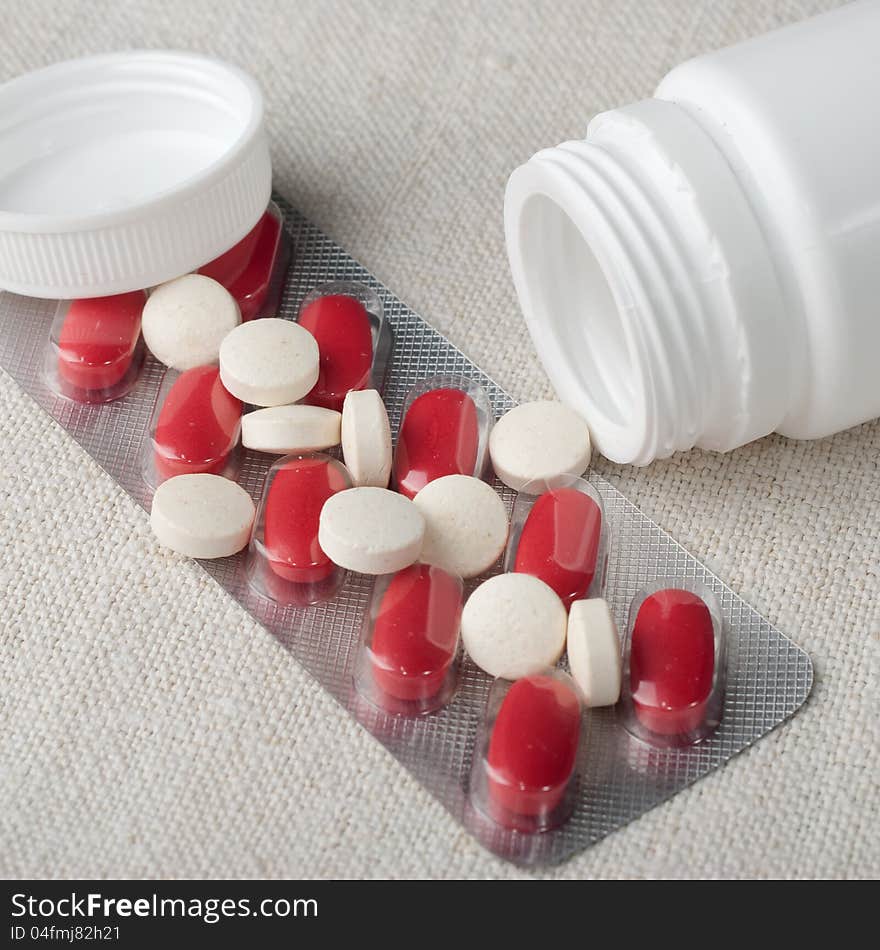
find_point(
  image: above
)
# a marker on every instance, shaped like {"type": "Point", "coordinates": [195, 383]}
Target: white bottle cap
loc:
{"type": "Point", "coordinates": [121, 171]}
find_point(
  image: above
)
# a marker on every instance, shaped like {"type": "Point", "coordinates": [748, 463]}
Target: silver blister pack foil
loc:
{"type": "Point", "coordinates": [768, 677]}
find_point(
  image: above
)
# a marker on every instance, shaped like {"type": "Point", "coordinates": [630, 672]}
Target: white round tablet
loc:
{"type": "Point", "coordinates": [185, 320]}
{"type": "Point", "coordinates": [204, 516]}
{"type": "Point", "coordinates": [371, 530]}
{"type": "Point", "coordinates": [539, 440]}
{"type": "Point", "coordinates": [465, 524]}
{"type": "Point", "coordinates": [594, 651]}
{"type": "Point", "coordinates": [366, 438]}
{"type": "Point", "coordinates": [269, 362]}
{"type": "Point", "coordinates": [290, 429]}
{"type": "Point", "coordinates": [513, 625]}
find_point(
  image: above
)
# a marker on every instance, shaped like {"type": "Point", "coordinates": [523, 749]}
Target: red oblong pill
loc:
{"type": "Point", "coordinates": [672, 661]}
{"type": "Point", "coordinates": [440, 436]}
{"type": "Point", "coordinates": [559, 542]}
{"type": "Point", "coordinates": [533, 746]}
{"type": "Point", "coordinates": [245, 270]}
{"type": "Point", "coordinates": [341, 325]}
{"type": "Point", "coordinates": [297, 494]}
{"type": "Point", "coordinates": [97, 339]}
{"type": "Point", "coordinates": [229, 266]}
{"type": "Point", "coordinates": [415, 632]}
{"type": "Point", "coordinates": [197, 426]}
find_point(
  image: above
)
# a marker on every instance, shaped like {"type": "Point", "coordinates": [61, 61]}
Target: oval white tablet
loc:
{"type": "Point", "coordinates": [205, 516]}
{"type": "Point", "coordinates": [513, 625]}
{"type": "Point", "coordinates": [269, 362]}
{"type": "Point", "coordinates": [371, 530]}
{"type": "Point", "coordinates": [539, 440]}
{"type": "Point", "coordinates": [366, 438]}
{"type": "Point", "coordinates": [465, 524]}
{"type": "Point", "coordinates": [291, 429]}
{"type": "Point", "coordinates": [185, 321]}
{"type": "Point", "coordinates": [594, 651]}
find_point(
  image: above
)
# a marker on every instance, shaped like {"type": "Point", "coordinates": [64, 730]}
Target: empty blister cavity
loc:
{"type": "Point", "coordinates": [253, 270]}
{"type": "Point", "coordinates": [525, 774]}
{"type": "Point", "coordinates": [347, 320]}
{"type": "Point", "coordinates": [94, 353]}
{"type": "Point", "coordinates": [559, 534]}
{"type": "Point", "coordinates": [408, 656]}
{"type": "Point", "coordinates": [194, 427]}
{"type": "Point", "coordinates": [285, 560]}
{"type": "Point", "coordinates": [444, 431]}
{"type": "Point", "coordinates": [673, 664]}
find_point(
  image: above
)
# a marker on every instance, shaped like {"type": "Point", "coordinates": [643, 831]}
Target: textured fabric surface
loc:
{"type": "Point", "coordinates": [151, 728]}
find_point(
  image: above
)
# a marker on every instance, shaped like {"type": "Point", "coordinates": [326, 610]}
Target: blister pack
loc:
{"type": "Point", "coordinates": [458, 732]}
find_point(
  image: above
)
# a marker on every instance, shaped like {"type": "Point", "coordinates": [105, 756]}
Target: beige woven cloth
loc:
{"type": "Point", "coordinates": [148, 727]}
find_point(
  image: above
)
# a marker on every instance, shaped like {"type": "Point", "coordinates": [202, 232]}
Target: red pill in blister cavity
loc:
{"type": "Point", "coordinates": [228, 267]}
{"type": "Point", "coordinates": [440, 436]}
{"type": "Point", "coordinates": [245, 270]}
{"type": "Point", "coordinates": [341, 325]}
{"type": "Point", "coordinates": [296, 496]}
{"type": "Point", "coordinates": [97, 339]}
{"type": "Point", "coordinates": [415, 632]}
{"type": "Point", "coordinates": [533, 747]}
{"type": "Point", "coordinates": [559, 542]}
{"type": "Point", "coordinates": [672, 661]}
{"type": "Point", "coordinates": [197, 426]}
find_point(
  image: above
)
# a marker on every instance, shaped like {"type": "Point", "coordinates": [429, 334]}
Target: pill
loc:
{"type": "Point", "coordinates": [465, 524]}
{"type": "Point", "coordinates": [97, 339]}
{"type": "Point", "coordinates": [287, 430]}
{"type": "Point", "coordinates": [439, 436]}
{"type": "Point", "coordinates": [371, 530]}
{"type": "Point", "coordinates": [204, 516]}
{"type": "Point", "coordinates": [366, 438]}
{"type": "Point", "coordinates": [197, 426]}
{"type": "Point", "coordinates": [341, 326]}
{"type": "Point", "coordinates": [533, 747]}
{"type": "Point", "coordinates": [513, 625]}
{"type": "Point", "coordinates": [269, 362]}
{"type": "Point", "coordinates": [672, 661]}
{"type": "Point", "coordinates": [229, 266]}
{"type": "Point", "coordinates": [293, 506]}
{"type": "Point", "coordinates": [186, 319]}
{"type": "Point", "coordinates": [415, 632]}
{"type": "Point", "coordinates": [539, 440]}
{"type": "Point", "coordinates": [246, 269]}
{"type": "Point", "coordinates": [559, 542]}
{"type": "Point", "coordinates": [593, 647]}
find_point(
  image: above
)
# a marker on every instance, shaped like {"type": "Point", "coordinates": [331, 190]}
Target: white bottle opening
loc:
{"type": "Point", "coordinates": [647, 287]}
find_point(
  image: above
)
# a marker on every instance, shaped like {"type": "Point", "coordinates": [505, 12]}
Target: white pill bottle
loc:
{"type": "Point", "coordinates": [704, 268]}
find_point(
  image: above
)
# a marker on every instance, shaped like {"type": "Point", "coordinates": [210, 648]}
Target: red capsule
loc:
{"type": "Point", "coordinates": [97, 339]}
{"type": "Point", "coordinates": [559, 542]}
{"type": "Point", "coordinates": [533, 747]}
{"type": "Point", "coordinates": [415, 633]}
{"type": "Point", "coordinates": [245, 270]}
{"type": "Point", "coordinates": [297, 494]}
{"type": "Point", "coordinates": [672, 661]}
{"type": "Point", "coordinates": [341, 325]}
{"type": "Point", "coordinates": [197, 426]}
{"type": "Point", "coordinates": [440, 436]}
